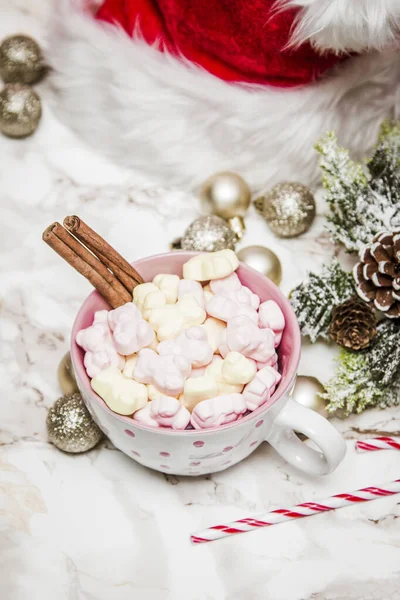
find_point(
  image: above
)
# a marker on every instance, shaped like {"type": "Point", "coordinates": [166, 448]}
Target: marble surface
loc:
{"type": "Point", "coordinates": [99, 526]}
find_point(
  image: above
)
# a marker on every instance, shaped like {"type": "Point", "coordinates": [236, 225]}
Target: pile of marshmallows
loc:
{"type": "Point", "coordinates": [184, 355]}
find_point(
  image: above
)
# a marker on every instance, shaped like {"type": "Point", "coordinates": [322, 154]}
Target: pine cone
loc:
{"type": "Point", "coordinates": [353, 324]}
{"type": "Point", "coordinates": [377, 275]}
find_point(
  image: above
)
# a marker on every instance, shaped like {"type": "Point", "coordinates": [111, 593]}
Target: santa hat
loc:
{"type": "Point", "coordinates": [178, 90]}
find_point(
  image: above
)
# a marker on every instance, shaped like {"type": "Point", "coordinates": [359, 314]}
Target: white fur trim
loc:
{"type": "Point", "coordinates": [347, 25]}
{"type": "Point", "coordinates": [177, 124]}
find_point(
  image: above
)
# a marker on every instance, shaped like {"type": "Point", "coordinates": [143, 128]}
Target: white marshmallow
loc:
{"type": "Point", "coordinates": [197, 389]}
{"type": "Point", "coordinates": [147, 296]}
{"type": "Point", "coordinates": [123, 395]}
{"type": "Point", "coordinates": [214, 329]}
{"type": "Point", "coordinates": [170, 320]}
{"type": "Point", "coordinates": [223, 387]}
{"type": "Point", "coordinates": [211, 265]}
{"type": "Point", "coordinates": [168, 285]}
{"type": "Point", "coordinates": [237, 369]}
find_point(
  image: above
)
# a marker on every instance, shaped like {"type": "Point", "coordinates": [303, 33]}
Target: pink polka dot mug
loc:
{"type": "Point", "coordinates": [195, 452]}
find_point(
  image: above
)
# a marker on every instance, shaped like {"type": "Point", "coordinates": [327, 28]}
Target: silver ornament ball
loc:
{"type": "Point", "coordinates": [289, 209]}
{"type": "Point", "coordinates": [208, 234]}
{"type": "Point", "coordinates": [20, 110]}
{"type": "Point", "coordinates": [263, 260]}
{"type": "Point", "coordinates": [21, 60]}
{"type": "Point", "coordinates": [307, 392]}
{"type": "Point", "coordinates": [70, 426]}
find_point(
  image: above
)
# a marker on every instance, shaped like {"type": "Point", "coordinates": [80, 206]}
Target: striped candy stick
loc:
{"type": "Point", "coordinates": [306, 509]}
{"type": "Point", "coordinates": [378, 443]}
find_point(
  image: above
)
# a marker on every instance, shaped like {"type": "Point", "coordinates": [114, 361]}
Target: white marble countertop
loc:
{"type": "Point", "coordinates": [98, 526]}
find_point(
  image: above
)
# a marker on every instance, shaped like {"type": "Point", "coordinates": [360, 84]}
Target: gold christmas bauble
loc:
{"type": "Point", "coordinates": [306, 392]}
{"type": "Point", "coordinates": [20, 110]}
{"type": "Point", "coordinates": [263, 260]}
{"type": "Point", "coordinates": [70, 426]}
{"type": "Point", "coordinates": [226, 195]}
{"type": "Point", "coordinates": [208, 234]}
{"type": "Point", "coordinates": [21, 60]}
{"type": "Point", "coordinates": [289, 209]}
{"type": "Point", "coordinates": [66, 376]}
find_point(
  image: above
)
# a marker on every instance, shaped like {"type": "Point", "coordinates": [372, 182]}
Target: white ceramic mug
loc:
{"type": "Point", "coordinates": [197, 452]}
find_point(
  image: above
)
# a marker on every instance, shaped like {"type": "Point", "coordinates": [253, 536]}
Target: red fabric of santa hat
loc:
{"type": "Point", "coordinates": [236, 40]}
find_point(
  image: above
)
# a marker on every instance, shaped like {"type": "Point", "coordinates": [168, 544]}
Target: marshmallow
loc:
{"type": "Point", "coordinates": [214, 328]}
{"type": "Point", "coordinates": [167, 373]}
{"type": "Point", "coordinates": [124, 396]}
{"type": "Point", "coordinates": [168, 285]}
{"type": "Point", "coordinates": [231, 287]}
{"type": "Point", "coordinates": [225, 286]}
{"type": "Point", "coordinates": [272, 317]}
{"type": "Point", "coordinates": [148, 296]}
{"type": "Point", "coordinates": [211, 265]}
{"type": "Point", "coordinates": [197, 389]}
{"type": "Point", "coordinates": [130, 332]}
{"type": "Point", "coordinates": [187, 286]}
{"type": "Point", "coordinates": [218, 411]}
{"type": "Point", "coordinates": [100, 351]}
{"type": "Point", "coordinates": [207, 296]}
{"type": "Point", "coordinates": [271, 362]}
{"type": "Point", "coordinates": [130, 365]}
{"type": "Point", "coordinates": [237, 369]}
{"type": "Point", "coordinates": [243, 335]}
{"type": "Point", "coordinates": [259, 391]}
{"type": "Point", "coordinates": [170, 320]}
{"type": "Point", "coordinates": [199, 372]}
{"type": "Point", "coordinates": [191, 343]}
{"type": "Point", "coordinates": [225, 309]}
{"type": "Point", "coordinates": [164, 411]}
{"type": "Point", "coordinates": [223, 387]}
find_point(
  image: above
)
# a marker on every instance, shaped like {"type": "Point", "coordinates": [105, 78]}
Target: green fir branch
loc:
{"type": "Point", "coordinates": [362, 201]}
{"type": "Point", "coordinates": [314, 300]}
{"type": "Point", "coordinates": [370, 378]}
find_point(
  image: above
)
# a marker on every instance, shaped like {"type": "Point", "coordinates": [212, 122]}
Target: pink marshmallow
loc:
{"type": "Point", "coordinates": [100, 351]}
{"type": "Point", "coordinates": [226, 285]}
{"type": "Point", "coordinates": [271, 317]}
{"type": "Point", "coordinates": [218, 411]}
{"type": "Point", "coordinates": [167, 373]}
{"type": "Point", "coordinates": [261, 388]}
{"type": "Point", "coordinates": [243, 335]}
{"type": "Point", "coordinates": [164, 411]}
{"type": "Point", "coordinates": [188, 286]}
{"type": "Point", "coordinates": [130, 331]}
{"type": "Point", "coordinates": [191, 343]}
{"type": "Point", "coordinates": [199, 372]}
{"type": "Point", "coordinates": [271, 362]}
{"type": "Point", "coordinates": [231, 287]}
{"type": "Point", "coordinates": [225, 308]}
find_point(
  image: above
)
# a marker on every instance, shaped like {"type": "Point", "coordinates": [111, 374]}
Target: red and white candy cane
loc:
{"type": "Point", "coordinates": [378, 443]}
{"type": "Point", "coordinates": [306, 509]}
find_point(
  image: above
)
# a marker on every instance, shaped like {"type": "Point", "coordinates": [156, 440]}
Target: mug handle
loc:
{"type": "Point", "coordinates": [293, 416]}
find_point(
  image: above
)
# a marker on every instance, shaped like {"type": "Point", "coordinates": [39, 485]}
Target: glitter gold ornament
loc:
{"type": "Point", "coordinates": [70, 426]}
{"type": "Point", "coordinates": [306, 392]}
{"type": "Point", "coordinates": [263, 260]}
{"type": "Point", "coordinates": [20, 110]}
{"type": "Point", "coordinates": [289, 209]}
{"type": "Point", "coordinates": [66, 376]}
{"type": "Point", "coordinates": [228, 196]}
{"type": "Point", "coordinates": [21, 60]}
{"type": "Point", "coordinates": [208, 234]}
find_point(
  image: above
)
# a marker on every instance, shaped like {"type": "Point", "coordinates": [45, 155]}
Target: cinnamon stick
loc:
{"type": "Point", "coordinates": [98, 245]}
{"type": "Point", "coordinates": [127, 281]}
{"type": "Point", "coordinates": [85, 263]}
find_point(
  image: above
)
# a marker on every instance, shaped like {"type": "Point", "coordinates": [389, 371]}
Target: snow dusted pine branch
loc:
{"type": "Point", "coordinates": [314, 300]}
{"type": "Point", "coordinates": [362, 201]}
